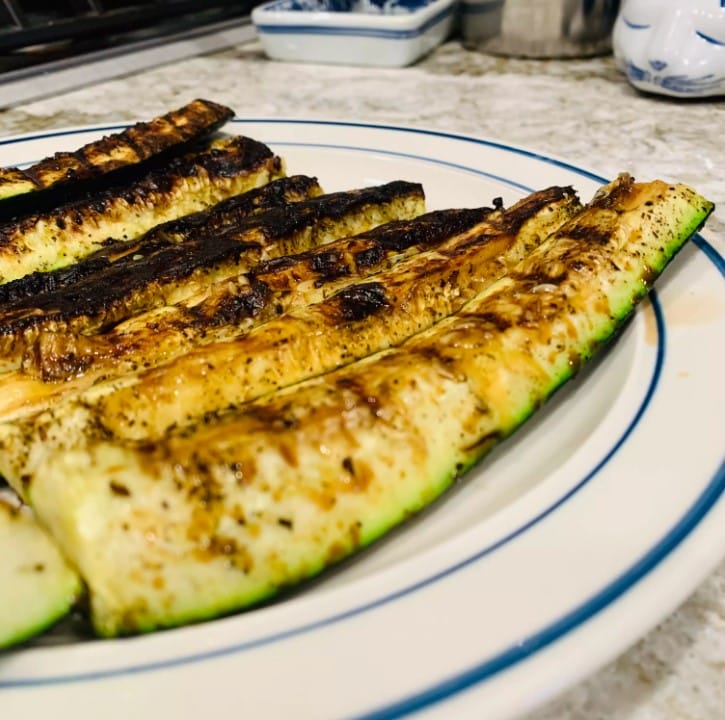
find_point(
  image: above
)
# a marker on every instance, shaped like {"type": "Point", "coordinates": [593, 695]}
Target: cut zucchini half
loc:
{"type": "Point", "coordinates": [38, 586]}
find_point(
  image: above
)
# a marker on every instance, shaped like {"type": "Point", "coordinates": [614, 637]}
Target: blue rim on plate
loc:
{"type": "Point", "coordinates": [489, 666]}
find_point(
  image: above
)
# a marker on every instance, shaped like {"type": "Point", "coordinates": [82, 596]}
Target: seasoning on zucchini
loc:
{"type": "Point", "coordinates": [357, 320]}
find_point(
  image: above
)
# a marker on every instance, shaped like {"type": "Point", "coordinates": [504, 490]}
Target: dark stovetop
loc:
{"type": "Point", "coordinates": [48, 46]}
{"type": "Point", "coordinates": [34, 32]}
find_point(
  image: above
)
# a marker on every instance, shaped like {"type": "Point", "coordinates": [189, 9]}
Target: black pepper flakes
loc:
{"type": "Point", "coordinates": [119, 489]}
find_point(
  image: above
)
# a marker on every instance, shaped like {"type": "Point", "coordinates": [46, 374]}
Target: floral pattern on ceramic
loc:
{"type": "Point", "coordinates": [384, 7]}
{"type": "Point", "coordinates": [672, 47]}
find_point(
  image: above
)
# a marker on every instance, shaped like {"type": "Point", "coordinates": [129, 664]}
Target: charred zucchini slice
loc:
{"type": "Point", "coordinates": [132, 146]}
{"type": "Point", "coordinates": [222, 311]}
{"type": "Point", "coordinates": [357, 320]}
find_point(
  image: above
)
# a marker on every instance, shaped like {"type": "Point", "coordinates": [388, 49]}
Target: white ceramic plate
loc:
{"type": "Point", "coordinates": [560, 549]}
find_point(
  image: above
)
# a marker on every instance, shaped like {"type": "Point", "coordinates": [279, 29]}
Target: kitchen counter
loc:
{"type": "Point", "coordinates": [583, 110]}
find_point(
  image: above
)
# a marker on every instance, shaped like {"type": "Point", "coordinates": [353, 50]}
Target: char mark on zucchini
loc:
{"type": "Point", "coordinates": [367, 253]}
{"type": "Point", "coordinates": [113, 158]}
{"type": "Point", "coordinates": [166, 272]}
{"type": "Point", "coordinates": [225, 214]}
{"type": "Point", "coordinates": [49, 240]}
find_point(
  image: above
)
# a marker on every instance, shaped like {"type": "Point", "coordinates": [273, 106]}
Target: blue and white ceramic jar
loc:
{"type": "Point", "coordinates": [672, 47]}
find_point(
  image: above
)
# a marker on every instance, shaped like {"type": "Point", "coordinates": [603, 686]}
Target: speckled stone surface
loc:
{"type": "Point", "coordinates": [582, 110]}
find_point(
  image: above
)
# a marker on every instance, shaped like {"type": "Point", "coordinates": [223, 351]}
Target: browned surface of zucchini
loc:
{"type": "Point", "coordinates": [134, 145]}
{"type": "Point", "coordinates": [49, 240]}
{"type": "Point", "coordinates": [224, 310]}
{"type": "Point", "coordinates": [360, 319]}
{"type": "Point", "coordinates": [166, 272]}
{"type": "Point", "coordinates": [216, 218]}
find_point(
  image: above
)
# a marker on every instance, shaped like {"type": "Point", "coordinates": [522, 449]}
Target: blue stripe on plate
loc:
{"type": "Point", "coordinates": [63, 133]}
{"type": "Point", "coordinates": [407, 156]}
{"type": "Point", "coordinates": [528, 646]}
{"type": "Point", "coordinates": [489, 666]}
{"type": "Point", "coordinates": [556, 630]}
{"type": "Point", "coordinates": [368, 32]}
{"type": "Point", "coordinates": [717, 260]}
{"type": "Point", "coordinates": [436, 133]}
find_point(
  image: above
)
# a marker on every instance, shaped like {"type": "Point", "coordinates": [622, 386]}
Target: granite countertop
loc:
{"type": "Point", "coordinates": [580, 109]}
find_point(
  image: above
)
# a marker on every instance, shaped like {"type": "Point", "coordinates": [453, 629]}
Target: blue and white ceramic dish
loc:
{"type": "Point", "coordinates": [672, 47]}
{"type": "Point", "coordinates": [387, 33]}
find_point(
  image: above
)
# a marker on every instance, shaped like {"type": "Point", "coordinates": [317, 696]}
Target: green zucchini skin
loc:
{"type": "Point", "coordinates": [38, 586]}
{"type": "Point", "coordinates": [218, 515]}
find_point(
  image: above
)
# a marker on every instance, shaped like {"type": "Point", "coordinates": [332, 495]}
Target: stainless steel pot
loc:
{"type": "Point", "coordinates": [539, 28]}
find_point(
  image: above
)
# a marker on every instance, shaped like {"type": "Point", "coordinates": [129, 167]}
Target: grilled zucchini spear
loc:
{"type": "Point", "coordinates": [218, 515]}
{"type": "Point", "coordinates": [37, 584]}
{"type": "Point", "coordinates": [56, 238]}
{"type": "Point", "coordinates": [165, 272]}
{"type": "Point", "coordinates": [134, 145]}
{"type": "Point", "coordinates": [475, 246]}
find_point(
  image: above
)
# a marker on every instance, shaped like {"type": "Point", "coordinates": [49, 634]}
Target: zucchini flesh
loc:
{"type": "Point", "coordinates": [218, 515]}
{"type": "Point", "coordinates": [197, 180]}
{"type": "Point", "coordinates": [38, 585]}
